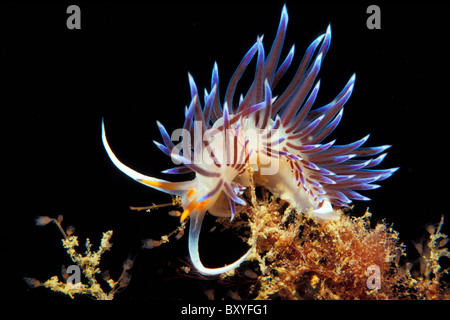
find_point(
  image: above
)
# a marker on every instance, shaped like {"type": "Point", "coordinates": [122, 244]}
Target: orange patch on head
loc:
{"type": "Point", "coordinates": [190, 193]}
{"type": "Point", "coordinates": [194, 205]}
{"type": "Point", "coordinates": [202, 204]}
{"type": "Point", "coordinates": [188, 210]}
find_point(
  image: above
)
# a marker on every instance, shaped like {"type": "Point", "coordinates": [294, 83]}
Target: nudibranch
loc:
{"type": "Point", "coordinates": [278, 137]}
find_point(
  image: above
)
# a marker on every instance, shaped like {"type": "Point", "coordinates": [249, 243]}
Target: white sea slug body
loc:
{"type": "Point", "coordinates": [279, 137]}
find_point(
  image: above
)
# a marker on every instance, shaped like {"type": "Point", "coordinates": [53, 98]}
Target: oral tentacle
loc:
{"type": "Point", "coordinates": [194, 234]}
{"type": "Point", "coordinates": [174, 188]}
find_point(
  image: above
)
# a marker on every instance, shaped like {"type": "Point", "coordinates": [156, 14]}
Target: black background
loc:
{"type": "Point", "coordinates": [128, 64]}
